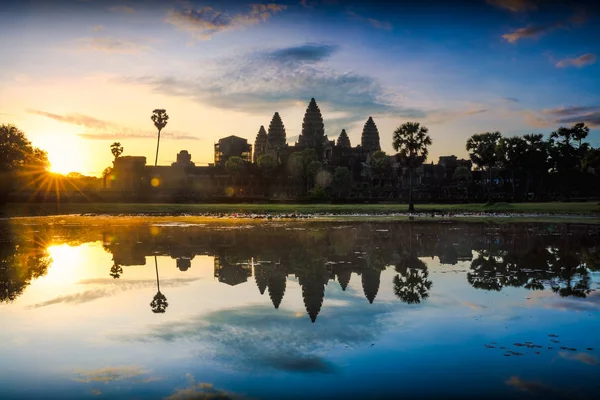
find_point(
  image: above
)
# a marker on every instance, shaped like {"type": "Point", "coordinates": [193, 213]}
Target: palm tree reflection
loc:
{"type": "Point", "coordinates": [411, 285]}
{"type": "Point", "coordinates": [159, 302]}
{"type": "Point", "coordinates": [116, 270]}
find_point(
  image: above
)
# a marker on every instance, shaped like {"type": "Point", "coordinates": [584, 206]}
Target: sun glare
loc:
{"type": "Point", "coordinates": [64, 159]}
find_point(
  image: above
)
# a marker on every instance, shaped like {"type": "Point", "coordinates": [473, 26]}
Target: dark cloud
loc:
{"type": "Point", "coordinates": [570, 115]}
{"type": "Point", "coordinates": [511, 99]}
{"type": "Point", "coordinates": [536, 388]}
{"type": "Point", "coordinates": [309, 52]}
{"type": "Point", "coordinates": [583, 60]}
{"type": "Point", "coordinates": [207, 21]}
{"type": "Point", "coordinates": [514, 5]}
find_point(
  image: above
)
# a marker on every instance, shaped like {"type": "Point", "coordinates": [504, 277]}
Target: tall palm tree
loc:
{"type": "Point", "coordinates": [160, 118]}
{"type": "Point", "coordinates": [116, 149]}
{"type": "Point", "coordinates": [159, 302]}
{"type": "Point", "coordinates": [411, 141]}
{"type": "Point", "coordinates": [482, 148]}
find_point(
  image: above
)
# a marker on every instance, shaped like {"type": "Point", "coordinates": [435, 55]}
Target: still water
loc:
{"type": "Point", "coordinates": [131, 308]}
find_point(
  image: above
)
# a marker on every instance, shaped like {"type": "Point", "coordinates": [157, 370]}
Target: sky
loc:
{"type": "Point", "coordinates": [78, 75]}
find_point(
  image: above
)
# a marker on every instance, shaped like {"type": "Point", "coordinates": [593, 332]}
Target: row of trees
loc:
{"type": "Point", "coordinates": [530, 160]}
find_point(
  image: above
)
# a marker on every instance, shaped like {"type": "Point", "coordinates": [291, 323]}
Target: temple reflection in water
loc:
{"type": "Point", "coordinates": [531, 256]}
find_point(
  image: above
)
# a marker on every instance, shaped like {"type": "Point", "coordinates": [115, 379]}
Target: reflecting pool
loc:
{"type": "Point", "coordinates": [133, 308]}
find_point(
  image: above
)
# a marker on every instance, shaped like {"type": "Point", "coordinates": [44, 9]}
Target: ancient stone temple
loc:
{"type": "Point", "coordinates": [370, 137]}
{"type": "Point", "coordinates": [260, 144]}
{"type": "Point", "coordinates": [343, 140]}
{"type": "Point", "coordinates": [313, 129]}
{"type": "Point", "coordinates": [276, 136]}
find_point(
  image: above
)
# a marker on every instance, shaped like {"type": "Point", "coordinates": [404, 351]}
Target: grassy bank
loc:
{"type": "Point", "coordinates": [573, 209]}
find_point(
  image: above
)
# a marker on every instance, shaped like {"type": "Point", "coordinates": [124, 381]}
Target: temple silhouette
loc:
{"type": "Point", "coordinates": [131, 178]}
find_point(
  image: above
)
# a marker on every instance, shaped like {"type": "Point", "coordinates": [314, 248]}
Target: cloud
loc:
{"type": "Point", "coordinates": [445, 115]}
{"type": "Point", "coordinates": [109, 374]}
{"type": "Point", "coordinates": [200, 391]}
{"type": "Point", "coordinates": [105, 130]}
{"type": "Point", "coordinates": [581, 357]}
{"type": "Point", "coordinates": [97, 28]}
{"type": "Point", "coordinates": [257, 84]}
{"type": "Point", "coordinates": [207, 21]}
{"type": "Point", "coordinates": [75, 119]}
{"type": "Point", "coordinates": [124, 135]}
{"type": "Point", "coordinates": [530, 32]}
{"type": "Point", "coordinates": [536, 388]}
{"type": "Point", "coordinates": [310, 52]}
{"type": "Point", "coordinates": [514, 5]}
{"type": "Point", "coordinates": [122, 9]}
{"type": "Point", "coordinates": [590, 115]}
{"type": "Point", "coordinates": [251, 337]}
{"type": "Point", "coordinates": [371, 21]}
{"type": "Point", "coordinates": [510, 99]}
{"type": "Point", "coordinates": [111, 289]}
{"type": "Point", "coordinates": [583, 60]}
{"type": "Point", "coordinates": [110, 45]}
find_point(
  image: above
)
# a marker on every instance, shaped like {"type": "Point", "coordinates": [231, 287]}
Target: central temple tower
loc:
{"type": "Point", "coordinates": [313, 129]}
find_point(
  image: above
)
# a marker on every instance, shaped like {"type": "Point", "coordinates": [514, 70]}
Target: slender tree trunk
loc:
{"type": "Point", "coordinates": [527, 186]}
{"type": "Point", "coordinates": [513, 185]}
{"type": "Point", "coordinates": [157, 145]}
{"type": "Point", "coordinates": [411, 206]}
{"type": "Point", "coordinates": [156, 266]}
{"type": "Point", "coordinates": [490, 185]}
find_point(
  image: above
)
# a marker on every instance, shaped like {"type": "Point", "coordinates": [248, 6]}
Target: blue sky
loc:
{"type": "Point", "coordinates": [78, 75]}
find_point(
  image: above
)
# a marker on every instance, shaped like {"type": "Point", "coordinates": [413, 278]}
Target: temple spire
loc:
{"type": "Point", "coordinates": [313, 129]}
{"type": "Point", "coordinates": [343, 140]}
{"type": "Point", "coordinates": [260, 144]}
{"type": "Point", "coordinates": [276, 136]}
{"type": "Point", "coordinates": [370, 136]}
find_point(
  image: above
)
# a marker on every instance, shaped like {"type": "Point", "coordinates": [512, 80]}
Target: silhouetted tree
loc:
{"type": "Point", "coordinates": [411, 285]}
{"type": "Point", "coordinates": [159, 303]}
{"type": "Point", "coordinates": [567, 151]}
{"type": "Point", "coordinates": [116, 270]}
{"type": "Point", "coordinates": [20, 162]}
{"type": "Point", "coordinates": [160, 118]}
{"type": "Point", "coordinates": [116, 149]}
{"type": "Point", "coordinates": [380, 166]}
{"type": "Point", "coordinates": [482, 151]}
{"type": "Point", "coordinates": [535, 160]}
{"type": "Point", "coordinates": [411, 141]}
{"type": "Point", "coordinates": [105, 174]}
{"type": "Point", "coordinates": [511, 155]}
{"type": "Point", "coordinates": [235, 166]}
{"type": "Point", "coordinates": [342, 181]}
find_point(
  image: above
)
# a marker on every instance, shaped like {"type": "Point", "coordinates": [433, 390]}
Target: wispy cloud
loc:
{"type": "Point", "coordinates": [583, 60]}
{"type": "Point", "coordinates": [514, 5]}
{"type": "Point", "coordinates": [110, 45]}
{"type": "Point", "coordinates": [531, 32]}
{"type": "Point", "coordinates": [75, 119]}
{"type": "Point", "coordinates": [510, 99]}
{"type": "Point", "coordinates": [98, 28]}
{"type": "Point", "coordinates": [536, 388]}
{"type": "Point", "coordinates": [122, 9]}
{"type": "Point", "coordinates": [265, 81]}
{"type": "Point", "coordinates": [108, 291]}
{"type": "Point", "coordinates": [379, 24]}
{"type": "Point", "coordinates": [589, 115]}
{"type": "Point", "coordinates": [106, 130]}
{"type": "Point", "coordinates": [207, 21]}
{"type": "Point", "coordinates": [109, 374]}
{"type": "Point", "coordinates": [581, 357]}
